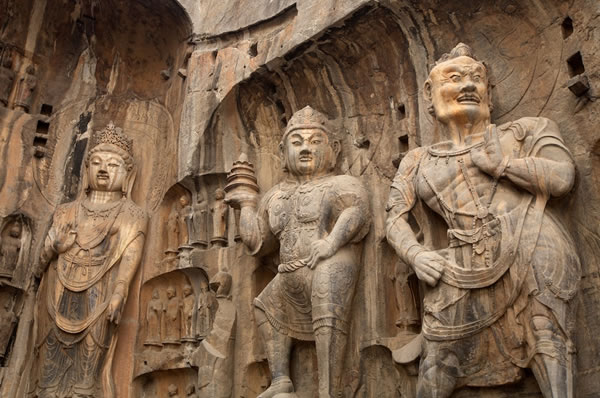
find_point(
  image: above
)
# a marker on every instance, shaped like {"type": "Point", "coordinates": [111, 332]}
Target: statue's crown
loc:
{"type": "Point", "coordinates": [113, 135]}
{"type": "Point", "coordinates": [307, 118]}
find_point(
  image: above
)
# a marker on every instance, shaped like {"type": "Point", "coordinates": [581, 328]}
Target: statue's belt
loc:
{"type": "Point", "coordinates": [291, 266]}
{"type": "Point", "coordinates": [461, 237]}
{"type": "Point", "coordinates": [477, 278]}
{"type": "Point", "coordinates": [87, 261]}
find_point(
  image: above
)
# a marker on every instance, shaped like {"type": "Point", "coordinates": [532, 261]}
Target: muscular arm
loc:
{"type": "Point", "coordinates": [350, 221]}
{"type": "Point", "coordinates": [428, 265]}
{"type": "Point", "coordinates": [402, 238]}
{"type": "Point", "coordinates": [546, 168]}
{"type": "Point", "coordinates": [551, 172]}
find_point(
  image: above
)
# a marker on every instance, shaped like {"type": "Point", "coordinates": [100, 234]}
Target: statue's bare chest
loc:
{"type": "Point", "coordinates": [454, 185]}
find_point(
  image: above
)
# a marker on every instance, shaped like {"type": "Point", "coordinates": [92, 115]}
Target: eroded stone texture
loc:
{"type": "Point", "coordinates": [195, 84]}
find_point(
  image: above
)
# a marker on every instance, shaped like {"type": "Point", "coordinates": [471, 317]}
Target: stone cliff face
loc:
{"type": "Point", "coordinates": [196, 83]}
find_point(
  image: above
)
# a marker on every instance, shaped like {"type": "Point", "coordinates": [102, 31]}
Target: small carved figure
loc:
{"type": "Point", "coordinates": [219, 212]}
{"type": "Point", "coordinates": [7, 78]}
{"type": "Point", "coordinates": [187, 316]}
{"type": "Point", "coordinates": [173, 391]}
{"type": "Point", "coordinates": [318, 220]}
{"type": "Point", "coordinates": [153, 320]}
{"type": "Point", "coordinates": [187, 214]}
{"type": "Point", "coordinates": [95, 244]}
{"type": "Point", "coordinates": [172, 318]}
{"type": "Point", "coordinates": [200, 208]}
{"type": "Point", "coordinates": [173, 230]}
{"type": "Point", "coordinates": [10, 248]}
{"type": "Point", "coordinates": [7, 320]}
{"type": "Point", "coordinates": [500, 297]}
{"type": "Point", "coordinates": [207, 308]}
{"type": "Point", "coordinates": [25, 87]}
{"type": "Point", "coordinates": [190, 391]}
{"type": "Point", "coordinates": [183, 236]}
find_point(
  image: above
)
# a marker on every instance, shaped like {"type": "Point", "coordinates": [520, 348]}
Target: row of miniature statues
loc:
{"type": "Point", "coordinates": [173, 391]}
{"type": "Point", "coordinates": [16, 88]}
{"type": "Point", "coordinates": [188, 224]}
{"type": "Point", "coordinates": [498, 298]}
{"type": "Point", "coordinates": [172, 319]}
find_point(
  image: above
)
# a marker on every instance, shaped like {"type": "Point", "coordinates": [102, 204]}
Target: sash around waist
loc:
{"type": "Point", "coordinates": [510, 225]}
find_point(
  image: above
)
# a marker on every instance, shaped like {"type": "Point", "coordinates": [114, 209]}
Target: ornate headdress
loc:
{"type": "Point", "coordinates": [308, 118]}
{"type": "Point", "coordinates": [113, 139]}
{"type": "Point", "coordinates": [114, 136]}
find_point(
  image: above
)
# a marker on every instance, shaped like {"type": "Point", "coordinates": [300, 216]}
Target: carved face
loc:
{"type": "Point", "coordinates": [170, 292]}
{"type": "Point", "coordinates": [107, 171]}
{"type": "Point", "coordinates": [308, 152]}
{"type": "Point", "coordinates": [458, 90]}
{"type": "Point", "coordinates": [187, 290]}
{"type": "Point", "coordinates": [183, 201]}
{"type": "Point", "coordinates": [15, 229]}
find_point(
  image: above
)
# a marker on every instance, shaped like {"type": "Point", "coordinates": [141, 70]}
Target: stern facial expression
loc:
{"type": "Point", "coordinates": [107, 171]}
{"type": "Point", "coordinates": [458, 89]}
{"type": "Point", "coordinates": [308, 153]}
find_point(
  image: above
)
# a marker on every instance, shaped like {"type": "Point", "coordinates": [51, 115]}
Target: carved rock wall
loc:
{"type": "Point", "coordinates": [195, 84]}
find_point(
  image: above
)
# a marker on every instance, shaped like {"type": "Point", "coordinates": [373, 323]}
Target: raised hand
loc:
{"type": "Point", "coordinates": [489, 157]}
{"type": "Point", "coordinates": [64, 239]}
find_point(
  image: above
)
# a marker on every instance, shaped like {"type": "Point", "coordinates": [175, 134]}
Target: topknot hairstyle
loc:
{"type": "Point", "coordinates": [460, 50]}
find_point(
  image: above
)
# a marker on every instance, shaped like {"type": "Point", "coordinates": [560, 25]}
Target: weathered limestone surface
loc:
{"type": "Point", "coordinates": [195, 84]}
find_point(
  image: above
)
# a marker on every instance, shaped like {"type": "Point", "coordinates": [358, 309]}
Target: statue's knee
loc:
{"type": "Point", "coordinates": [443, 361]}
{"type": "Point", "coordinates": [438, 375]}
{"type": "Point", "coordinates": [542, 323]}
{"type": "Point", "coordinates": [544, 328]}
{"type": "Point", "coordinates": [259, 316]}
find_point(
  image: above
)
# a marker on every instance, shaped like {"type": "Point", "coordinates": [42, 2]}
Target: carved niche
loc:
{"type": "Point", "coordinates": [12, 235]}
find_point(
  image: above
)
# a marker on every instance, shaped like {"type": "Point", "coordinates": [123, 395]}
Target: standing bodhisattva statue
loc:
{"type": "Point", "coordinates": [94, 248]}
{"type": "Point", "coordinates": [317, 220]}
{"type": "Point", "coordinates": [499, 298]}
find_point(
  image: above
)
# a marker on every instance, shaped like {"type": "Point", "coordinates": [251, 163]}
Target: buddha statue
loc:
{"type": "Point", "coordinates": [90, 255]}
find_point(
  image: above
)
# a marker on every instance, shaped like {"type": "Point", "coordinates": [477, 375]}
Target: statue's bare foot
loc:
{"type": "Point", "coordinates": [281, 385]}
